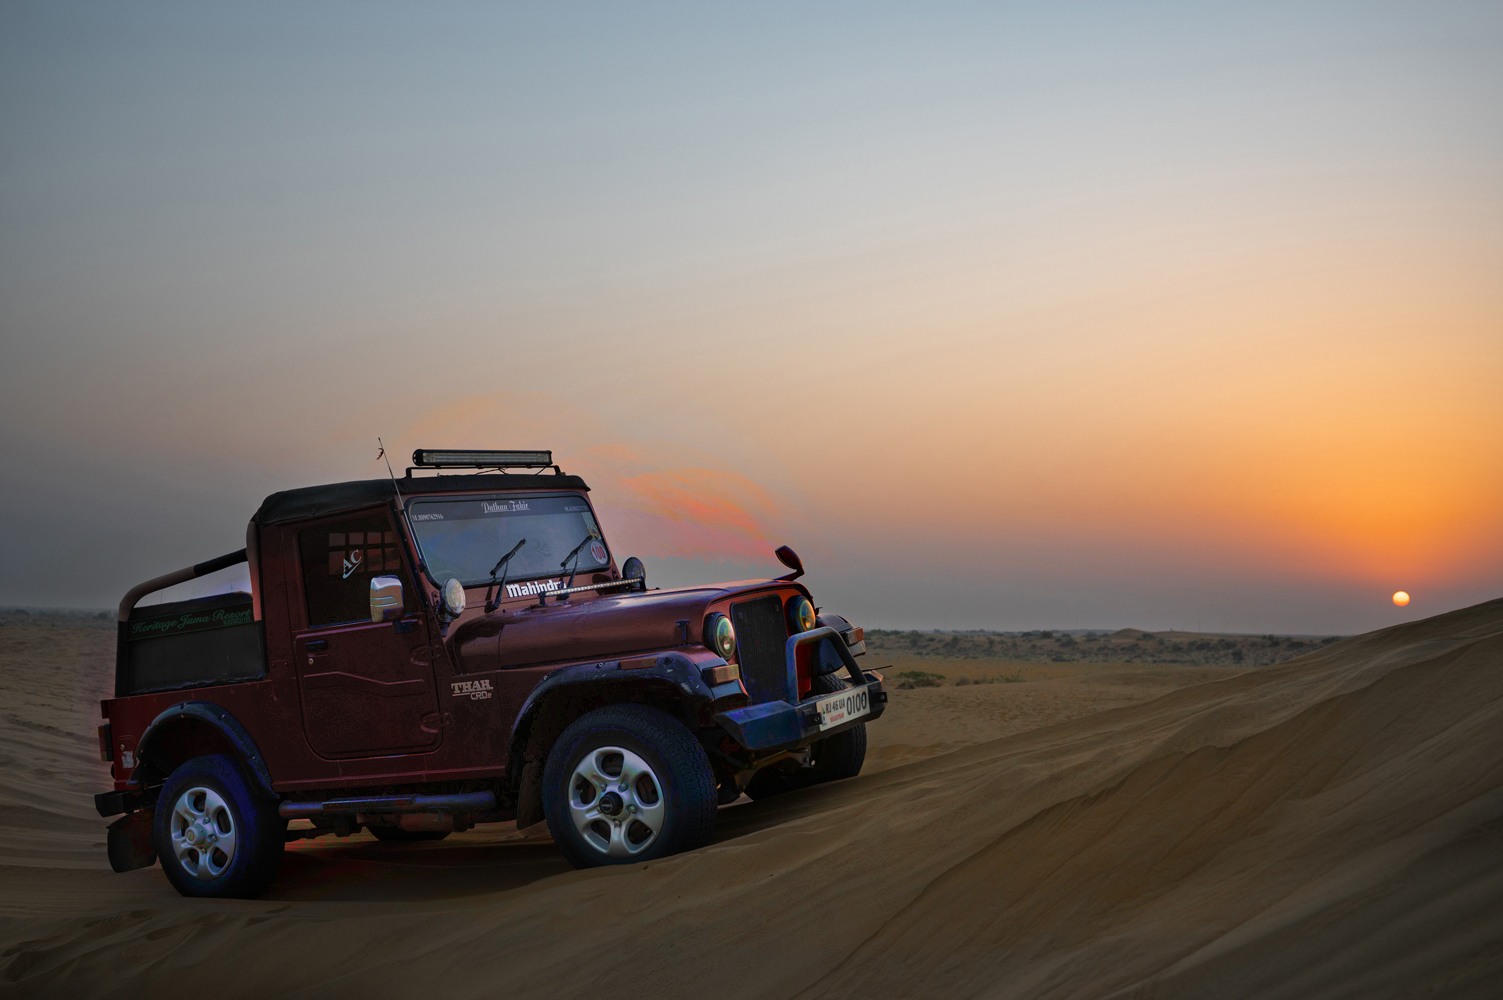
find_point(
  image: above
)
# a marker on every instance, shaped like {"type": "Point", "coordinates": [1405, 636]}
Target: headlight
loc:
{"type": "Point", "coordinates": [720, 636]}
{"type": "Point", "coordinates": [800, 614]}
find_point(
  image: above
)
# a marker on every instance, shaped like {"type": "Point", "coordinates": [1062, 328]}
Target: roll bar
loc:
{"type": "Point", "coordinates": [140, 590]}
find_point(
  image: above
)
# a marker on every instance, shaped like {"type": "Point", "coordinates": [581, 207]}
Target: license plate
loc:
{"type": "Point", "coordinates": [842, 708]}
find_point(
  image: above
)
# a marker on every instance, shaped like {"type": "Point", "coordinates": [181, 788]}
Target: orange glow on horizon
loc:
{"type": "Point", "coordinates": [669, 500]}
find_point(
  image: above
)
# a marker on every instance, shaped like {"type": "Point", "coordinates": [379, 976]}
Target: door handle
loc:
{"type": "Point", "coordinates": [317, 645]}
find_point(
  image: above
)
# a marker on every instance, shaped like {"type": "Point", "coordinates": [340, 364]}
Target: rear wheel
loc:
{"type": "Point", "coordinates": [216, 833]}
{"type": "Point", "coordinates": [625, 784]}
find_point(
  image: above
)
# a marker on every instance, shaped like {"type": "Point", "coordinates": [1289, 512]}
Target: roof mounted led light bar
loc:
{"type": "Point", "coordinates": [448, 458]}
{"type": "Point", "coordinates": [472, 458]}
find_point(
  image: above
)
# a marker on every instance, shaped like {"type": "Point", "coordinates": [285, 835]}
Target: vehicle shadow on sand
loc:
{"type": "Point", "coordinates": [480, 861]}
{"type": "Point", "coordinates": [489, 859]}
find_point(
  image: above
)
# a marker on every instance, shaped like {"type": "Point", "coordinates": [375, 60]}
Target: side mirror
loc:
{"type": "Point", "coordinates": [386, 598]}
{"type": "Point", "coordinates": [789, 558]}
{"type": "Point", "coordinates": [633, 569]}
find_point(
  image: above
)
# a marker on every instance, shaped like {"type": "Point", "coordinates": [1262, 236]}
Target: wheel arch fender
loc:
{"type": "Point", "coordinates": [673, 682]}
{"type": "Point", "coordinates": [191, 728]}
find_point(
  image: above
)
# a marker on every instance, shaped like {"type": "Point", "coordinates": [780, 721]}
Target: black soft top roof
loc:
{"type": "Point", "coordinates": [311, 501]}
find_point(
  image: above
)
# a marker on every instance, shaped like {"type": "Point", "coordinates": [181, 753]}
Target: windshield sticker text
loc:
{"type": "Point", "coordinates": [503, 506]}
{"type": "Point", "coordinates": [533, 587]}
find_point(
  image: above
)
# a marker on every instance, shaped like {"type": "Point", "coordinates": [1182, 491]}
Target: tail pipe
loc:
{"type": "Point", "coordinates": [464, 802]}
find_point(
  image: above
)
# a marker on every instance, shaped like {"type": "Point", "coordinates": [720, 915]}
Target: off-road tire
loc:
{"type": "Point", "coordinates": [676, 759]}
{"type": "Point", "coordinates": [840, 756]}
{"type": "Point", "coordinates": [248, 813]}
{"type": "Point", "coordinates": [397, 835]}
{"type": "Point", "coordinates": [831, 759]}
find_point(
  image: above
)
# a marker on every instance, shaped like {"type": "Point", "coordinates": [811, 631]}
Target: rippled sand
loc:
{"type": "Point", "coordinates": [1328, 827]}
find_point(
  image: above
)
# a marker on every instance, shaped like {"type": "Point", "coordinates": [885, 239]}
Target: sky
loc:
{"type": "Point", "coordinates": [1004, 316]}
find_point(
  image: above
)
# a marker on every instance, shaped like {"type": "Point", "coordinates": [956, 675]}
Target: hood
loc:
{"type": "Point", "coordinates": [605, 627]}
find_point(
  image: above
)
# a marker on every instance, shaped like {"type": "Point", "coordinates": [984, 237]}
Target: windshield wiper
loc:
{"type": "Point", "coordinates": [574, 555]}
{"type": "Point", "coordinates": [501, 591]}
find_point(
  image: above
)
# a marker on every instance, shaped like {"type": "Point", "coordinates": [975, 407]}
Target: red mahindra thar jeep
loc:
{"type": "Point", "coordinates": [422, 654]}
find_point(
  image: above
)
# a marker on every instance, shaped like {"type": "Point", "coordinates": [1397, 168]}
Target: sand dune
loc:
{"type": "Point", "coordinates": [1328, 827]}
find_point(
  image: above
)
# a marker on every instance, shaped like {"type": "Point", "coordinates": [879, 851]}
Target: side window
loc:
{"type": "Point", "coordinates": [338, 561]}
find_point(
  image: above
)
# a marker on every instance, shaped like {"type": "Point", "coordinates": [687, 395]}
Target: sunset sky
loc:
{"type": "Point", "coordinates": [1003, 315]}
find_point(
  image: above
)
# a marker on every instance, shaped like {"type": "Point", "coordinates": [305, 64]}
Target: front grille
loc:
{"type": "Point", "coordinates": [760, 640]}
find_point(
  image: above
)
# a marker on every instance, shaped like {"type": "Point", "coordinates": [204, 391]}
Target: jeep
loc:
{"type": "Point", "coordinates": [421, 654]}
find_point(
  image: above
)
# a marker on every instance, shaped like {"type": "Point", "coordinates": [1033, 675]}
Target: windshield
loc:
{"type": "Point", "coordinates": [465, 538]}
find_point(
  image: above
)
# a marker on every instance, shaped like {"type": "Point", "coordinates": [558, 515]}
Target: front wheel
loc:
{"type": "Point", "coordinates": [625, 784]}
{"type": "Point", "coordinates": [215, 834]}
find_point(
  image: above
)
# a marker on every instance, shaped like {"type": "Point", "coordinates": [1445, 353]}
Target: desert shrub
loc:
{"type": "Point", "coordinates": [910, 679]}
{"type": "Point", "coordinates": [962, 681]}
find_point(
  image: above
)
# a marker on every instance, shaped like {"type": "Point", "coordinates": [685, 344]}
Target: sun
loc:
{"type": "Point", "coordinates": [1401, 598]}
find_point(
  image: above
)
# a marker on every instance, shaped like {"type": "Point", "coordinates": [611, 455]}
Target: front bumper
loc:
{"type": "Point", "coordinates": [785, 725]}
{"type": "Point", "coordinates": [778, 725]}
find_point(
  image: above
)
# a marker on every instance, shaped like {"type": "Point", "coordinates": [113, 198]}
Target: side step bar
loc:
{"type": "Point", "coordinates": [464, 802]}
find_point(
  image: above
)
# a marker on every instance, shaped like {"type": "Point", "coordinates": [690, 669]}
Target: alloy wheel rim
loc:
{"type": "Point", "coordinates": [616, 801]}
{"type": "Point", "coordinates": [203, 833]}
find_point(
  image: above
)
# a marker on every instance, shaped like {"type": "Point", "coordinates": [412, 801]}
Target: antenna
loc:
{"type": "Point", "coordinates": [382, 455]}
{"type": "Point", "coordinates": [401, 507]}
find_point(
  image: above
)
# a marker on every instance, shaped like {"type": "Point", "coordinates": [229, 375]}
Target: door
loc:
{"type": "Point", "coordinates": [367, 688]}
